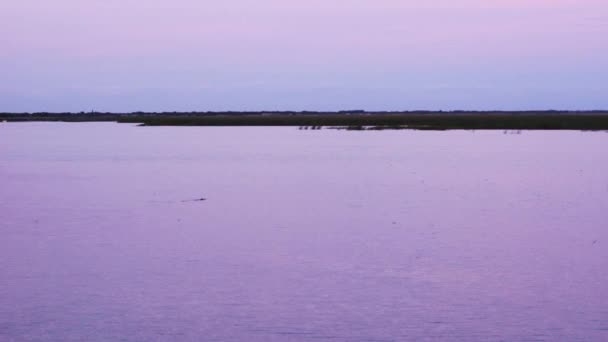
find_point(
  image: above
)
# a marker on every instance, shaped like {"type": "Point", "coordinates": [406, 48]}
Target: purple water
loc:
{"type": "Point", "coordinates": [304, 236]}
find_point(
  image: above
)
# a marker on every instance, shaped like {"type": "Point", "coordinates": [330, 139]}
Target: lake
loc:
{"type": "Point", "coordinates": [321, 235]}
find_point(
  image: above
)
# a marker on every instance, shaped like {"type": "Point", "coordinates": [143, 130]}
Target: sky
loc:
{"type": "Point", "coordinates": [187, 55]}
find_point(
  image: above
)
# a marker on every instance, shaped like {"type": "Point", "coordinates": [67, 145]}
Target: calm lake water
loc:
{"type": "Point", "coordinates": [305, 235]}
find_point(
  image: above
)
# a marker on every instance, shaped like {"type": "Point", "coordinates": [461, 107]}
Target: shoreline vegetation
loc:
{"type": "Point", "coordinates": [351, 120]}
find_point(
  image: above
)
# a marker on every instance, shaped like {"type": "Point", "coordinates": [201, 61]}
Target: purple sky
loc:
{"type": "Point", "coordinates": [126, 55]}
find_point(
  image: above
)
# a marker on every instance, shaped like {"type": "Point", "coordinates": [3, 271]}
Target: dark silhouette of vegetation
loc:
{"type": "Point", "coordinates": [353, 120]}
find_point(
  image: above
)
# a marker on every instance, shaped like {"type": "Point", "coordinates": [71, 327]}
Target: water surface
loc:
{"type": "Point", "coordinates": [304, 236]}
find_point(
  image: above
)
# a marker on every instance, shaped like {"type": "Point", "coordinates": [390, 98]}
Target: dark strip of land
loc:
{"type": "Point", "coordinates": [524, 120]}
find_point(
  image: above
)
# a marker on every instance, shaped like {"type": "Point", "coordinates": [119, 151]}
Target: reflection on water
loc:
{"type": "Point", "coordinates": [304, 235]}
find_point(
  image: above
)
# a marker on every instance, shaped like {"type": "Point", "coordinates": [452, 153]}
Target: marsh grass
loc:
{"type": "Point", "coordinates": [396, 121]}
{"type": "Point", "coordinates": [548, 120]}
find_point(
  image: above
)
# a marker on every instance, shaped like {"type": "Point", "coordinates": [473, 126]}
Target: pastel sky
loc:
{"type": "Point", "coordinates": [166, 55]}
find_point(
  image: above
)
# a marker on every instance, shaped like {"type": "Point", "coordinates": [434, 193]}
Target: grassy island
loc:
{"type": "Point", "coordinates": [356, 120]}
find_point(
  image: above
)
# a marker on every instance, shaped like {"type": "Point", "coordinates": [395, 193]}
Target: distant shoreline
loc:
{"type": "Point", "coordinates": [355, 120]}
